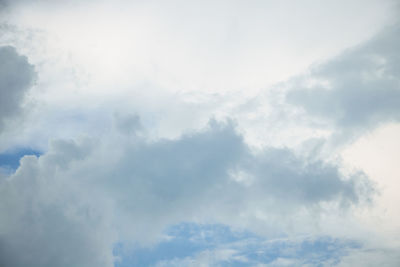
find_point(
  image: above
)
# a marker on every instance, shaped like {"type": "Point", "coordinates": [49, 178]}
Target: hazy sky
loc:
{"type": "Point", "coordinates": [199, 133]}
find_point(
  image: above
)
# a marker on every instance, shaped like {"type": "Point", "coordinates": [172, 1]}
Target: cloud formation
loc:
{"type": "Point", "coordinates": [72, 204]}
{"type": "Point", "coordinates": [16, 77]}
{"type": "Point", "coordinates": [358, 89]}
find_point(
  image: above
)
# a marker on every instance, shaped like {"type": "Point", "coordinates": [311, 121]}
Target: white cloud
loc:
{"type": "Point", "coordinates": [189, 46]}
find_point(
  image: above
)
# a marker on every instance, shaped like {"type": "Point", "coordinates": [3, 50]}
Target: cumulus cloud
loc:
{"type": "Point", "coordinates": [16, 77]}
{"type": "Point", "coordinates": [46, 221]}
{"type": "Point", "coordinates": [71, 205]}
{"type": "Point", "coordinates": [357, 90]}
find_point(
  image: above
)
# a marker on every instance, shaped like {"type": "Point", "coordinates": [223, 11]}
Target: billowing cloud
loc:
{"type": "Point", "coordinates": [72, 204]}
{"type": "Point", "coordinates": [16, 77]}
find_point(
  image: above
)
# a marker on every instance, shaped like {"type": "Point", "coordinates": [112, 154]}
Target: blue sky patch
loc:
{"type": "Point", "coordinates": [189, 240]}
{"type": "Point", "coordinates": [9, 160]}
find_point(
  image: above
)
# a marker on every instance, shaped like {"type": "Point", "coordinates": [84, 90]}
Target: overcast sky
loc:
{"type": "Point", "coordinates": [199, 133]}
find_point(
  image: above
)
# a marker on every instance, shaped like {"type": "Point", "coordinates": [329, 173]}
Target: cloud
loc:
{"type": "Point", "coordinates": [234, 48]}
{"type": "Point", "coordinates": [127, 124]}
{"type": "Point", "coordinates": [16, 77]}
{"type": "Point", "coordinates": [46, 222]}
{"type": "Point", "coordinates": [372, 257]}
{"type": "Point", "coordinates": [359, 89]}
{"type": "Point", "coordinates": [72, 204]}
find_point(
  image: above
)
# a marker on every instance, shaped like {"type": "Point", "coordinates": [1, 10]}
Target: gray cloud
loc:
{"type": "Point", "coordinates": [127, 124]}
{"type": "Point", "coordinates": [358, 89]}
{"type": "Point", "coordinates": [16, 77]}
{"type": "Point", "coordinates": [283, 175]}
{"type": "Point", "coordinates": [68, 207]}
{"type": "Point", "coordinates": [46, 221]}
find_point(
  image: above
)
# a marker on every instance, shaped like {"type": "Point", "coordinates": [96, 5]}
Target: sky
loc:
{"type": "Point", "coordinates": [199, 133]}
